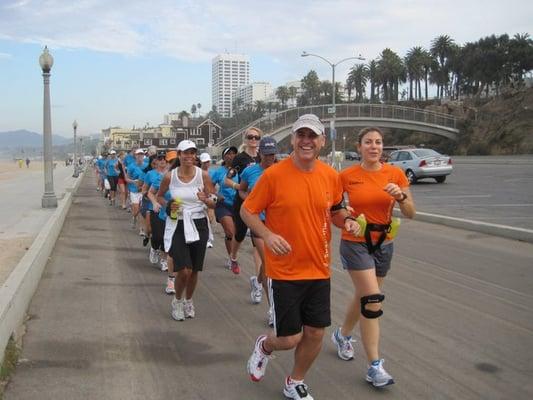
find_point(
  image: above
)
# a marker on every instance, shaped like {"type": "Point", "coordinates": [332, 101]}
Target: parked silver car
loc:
{"type": "Point", "coordinates": [422, 163]}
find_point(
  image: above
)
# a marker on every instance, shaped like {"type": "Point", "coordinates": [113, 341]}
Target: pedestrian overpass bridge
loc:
{"type": "Point", "coordinates": [278, 125]}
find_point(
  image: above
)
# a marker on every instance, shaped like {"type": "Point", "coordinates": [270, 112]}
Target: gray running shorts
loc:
{"type": "Point", "coordinates": [355, 257]}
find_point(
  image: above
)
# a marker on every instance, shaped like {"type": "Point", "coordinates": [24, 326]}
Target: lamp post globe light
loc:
{"type": "Point", "coordinates": [74, 160]}
{"type": "Point", "coordinates": [49, 199]}
{"type": "Point", "coordinates": [332, 132]}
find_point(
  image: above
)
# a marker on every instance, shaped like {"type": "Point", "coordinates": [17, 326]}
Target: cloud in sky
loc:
{"type": "Point", "coordinates": [196, 30]}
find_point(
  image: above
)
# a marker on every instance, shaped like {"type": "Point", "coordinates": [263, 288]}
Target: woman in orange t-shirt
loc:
{"type": "Point", "coordinates": [373, 189]}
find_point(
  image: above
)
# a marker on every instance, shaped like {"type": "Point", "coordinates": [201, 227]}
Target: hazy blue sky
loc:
{"type": "Point", "coordinates": [129, 62]}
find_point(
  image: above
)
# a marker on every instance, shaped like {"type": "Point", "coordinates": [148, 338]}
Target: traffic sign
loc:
{"type": "Point", "coordinates": [331, 110]}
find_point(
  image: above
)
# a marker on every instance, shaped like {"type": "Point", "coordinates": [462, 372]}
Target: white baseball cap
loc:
{"type": "Point", "coordinates": [186, 145]}
{"type": "Point", "coordinates": [112, 152]}
{"type": "Point", "coordinates": [310, 121]}
{"type": "Point", "coordinates": [139, 151]}
{"type": "Point", "coordinates": [205, 157]}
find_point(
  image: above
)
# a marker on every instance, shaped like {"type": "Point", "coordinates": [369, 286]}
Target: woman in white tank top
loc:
{"type": "Point", "coordinates": [186, 227]}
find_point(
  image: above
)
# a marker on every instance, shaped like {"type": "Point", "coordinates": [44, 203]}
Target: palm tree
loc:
{"type": "Point", "coordinates": [282, 93]}
{"type": "Point", "coordinates": [293, 92]}
{"type": "Point", "coordinates": [311, 88]}
{"type": "Point", "coordinates": [198, 106]}
{"type": "Point", "coordinates": [391, 71]}
{"type": "Point", "coordinates": [193, 109]}
{"type": "Point", "coordinates": [259, 107]}
{"type": "Point", "coordinates": [183, 113]}
{"type": "Point", "coordinates": [358, 78]}
{"type": "Point", "coordinates": [441, 49]}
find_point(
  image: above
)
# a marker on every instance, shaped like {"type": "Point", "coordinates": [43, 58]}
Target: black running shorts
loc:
{"type": "Point", "coordinates": [299, 303]}
{"type": "Point", "coordinates": [189, 255]}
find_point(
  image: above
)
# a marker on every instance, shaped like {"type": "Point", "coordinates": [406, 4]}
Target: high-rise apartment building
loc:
{"type": "Point", "coordinates": [249, 94]}
{"type": "Point", "coordinates": [229, 72]}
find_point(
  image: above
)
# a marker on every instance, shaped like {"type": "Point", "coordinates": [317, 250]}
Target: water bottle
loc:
{"type": "Point", "coordinates": [361, 220]}
{"type": "Point", "coordinates": [394, 226]}
{"type": "Point", "coordinates": [176, 213]}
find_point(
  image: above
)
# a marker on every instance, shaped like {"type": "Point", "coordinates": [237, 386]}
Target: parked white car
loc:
{"type": "Point", "coordinates": [422, 163]}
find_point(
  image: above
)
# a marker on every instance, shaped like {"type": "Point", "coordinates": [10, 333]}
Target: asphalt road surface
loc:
{"type": "Point", "coordinates": [457, 324]}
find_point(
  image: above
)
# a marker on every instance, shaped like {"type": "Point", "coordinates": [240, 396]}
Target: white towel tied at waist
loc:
{"type": "Point", "coordinates": [189, 227]}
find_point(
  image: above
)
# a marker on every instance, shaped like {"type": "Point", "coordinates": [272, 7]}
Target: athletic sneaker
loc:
{"type": "Point", "coordinates": [377, 376]}
{"type": "Point", "coordinates": [227, 264]}
{"type": "Point", "coordinates": [256, 292]}
{"type": "Point", "coordinates": [209, 244]}
{"type": "Point", "coordinates": [146, 239]}
{"type": "Point", "coordinates": [344, 345]}
{"type": "Point", "coordinates": [154, 257]}
{"type": "Point", "coordinates": [163, 263]}
{"type": "Point", "coordinates": [177, 309]}
{"type": "Point", "coordinates": [170, 286]}
{"type": "Point", "coordinates": [270, 314]}
{"type": "Point", "coordinates": [258, 360]}
{"type": "Point", "coordinates": [235, 267]}
{"type": "Point", "coordinates": [296, 390]}
{"type": "Point", "coordinates": [188, 309]}
{"type": "Point", "coordinates": [133, 222]}
{"type": "Point", "coordinates": [141, 232]}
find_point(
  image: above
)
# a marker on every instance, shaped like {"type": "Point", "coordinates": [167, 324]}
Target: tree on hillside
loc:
{"type": "Point", "coordinates": [193, 109]}
{"type": "Point", "coordinates": [183, 113]}
{"type": "Point", "coordinates": [520, 56]}
{"type": "Point", "coordinates": [373, 78]}
{"type": "Point", "coordinates": [293, 92]}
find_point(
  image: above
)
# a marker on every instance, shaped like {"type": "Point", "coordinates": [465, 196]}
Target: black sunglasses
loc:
{"type": "Point", "coordinates": [251, 137]}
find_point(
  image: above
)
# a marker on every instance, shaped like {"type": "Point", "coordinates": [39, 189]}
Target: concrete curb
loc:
{"type": "Point", "coordinates": [509, 232]}
{"type": "Point", "coordinates": [18, 289]}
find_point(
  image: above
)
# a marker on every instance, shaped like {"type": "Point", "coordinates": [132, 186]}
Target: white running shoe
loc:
{"type": "Point", "coordinates": [227, 264]}
{"type": "Point", "coordinates": [154, 257]}
{"type": "Point", "coordinates": [258, 360]}
{"type": "Point", "coordinates": [170, 286]}
{"type": "Point", "coordinates": [256, 292]}
{"type": "Point", "coordinates": [296, 390]}
{"type": "Point", "coordinates": [270, 314]}
{"type": "Point", "coordinates": [141, 232]}
{"type": "Point", "coordinates": [209, 244]}
{"type": "Point", "coordinates": [377, 376]}
{"type": "Point", "coordinates": [344, 345]}
{"type": "Point", "coordinates": [188, 309]}
{"type": "Point", "coordinates": [177, 309]}
{"type": "Point", "coordinates": [163, 263]}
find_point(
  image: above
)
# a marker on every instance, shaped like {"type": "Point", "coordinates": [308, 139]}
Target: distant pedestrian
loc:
{"type": "Point", "coordinates": [301, 196]}
{"type": "Point", "coordinates": [27, 163]}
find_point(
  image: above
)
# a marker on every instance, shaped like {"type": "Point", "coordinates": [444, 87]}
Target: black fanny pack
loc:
{"type": "Point", "coordinates": [384, 229]}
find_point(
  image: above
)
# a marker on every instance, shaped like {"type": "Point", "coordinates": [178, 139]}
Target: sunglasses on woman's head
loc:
{"type": "Point", "coordinates": [252, 137]}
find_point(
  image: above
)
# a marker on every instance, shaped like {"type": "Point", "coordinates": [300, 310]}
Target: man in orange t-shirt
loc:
{"type": "Point", "coordinates": [301, 197]}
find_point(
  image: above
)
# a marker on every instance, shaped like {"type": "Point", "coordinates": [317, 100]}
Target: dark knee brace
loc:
{"type": "Point", "coordinates": [228, 238]}
{"type": "Point", "coordinates": [373, 298]}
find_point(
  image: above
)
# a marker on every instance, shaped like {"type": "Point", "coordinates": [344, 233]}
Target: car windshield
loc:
{"type": "Point", "coordinates": [421, 153]}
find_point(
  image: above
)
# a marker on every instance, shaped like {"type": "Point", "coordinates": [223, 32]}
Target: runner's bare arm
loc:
{"type": "Point", "coordinates": [165, 182]}
{"type": "Point", "coordinates": [403, 197]}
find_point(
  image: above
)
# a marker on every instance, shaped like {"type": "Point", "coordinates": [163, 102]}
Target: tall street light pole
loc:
{"type": "Point", "coordinates": [332, 132]}
{"type": "Point", "coordinates": [75, 161]}
{"type": "Point", "coordinates": [49, 199]}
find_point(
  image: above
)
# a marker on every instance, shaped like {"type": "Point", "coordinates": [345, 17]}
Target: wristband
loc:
{"type": "Point", "coordinates": [404, 197]}
{"type": "Point", "coordinates": [234, 186]}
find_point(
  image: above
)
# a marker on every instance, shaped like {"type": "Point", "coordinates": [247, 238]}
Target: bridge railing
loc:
{"type": "Point", "coordinates": [282, 119]}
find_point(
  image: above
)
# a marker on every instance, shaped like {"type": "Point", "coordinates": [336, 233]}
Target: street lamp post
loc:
{"type": "Point", "coordinates": [74, 160]}
{"type": "Point", "coordinates": [49, 199]}
{"type": "Point", "coordinates": [332, 132]}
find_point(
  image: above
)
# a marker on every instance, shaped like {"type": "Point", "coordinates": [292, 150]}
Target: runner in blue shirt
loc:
{"type": "Point", "coordinates": [112, 172]}
{"type": "Point", "coordinates": [267, 151]}
{"type": "Point", "coordinates": [153, 179]}
{"type": "Point", "coordinates": [226, 197]}
{"type": "Point", "coordinates": [134, 177]}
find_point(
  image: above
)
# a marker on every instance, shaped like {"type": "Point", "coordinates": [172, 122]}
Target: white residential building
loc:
{"type": "Point", "coordinates": [249, 94]}
{"type": "Point", "coordinates": [229, 72]}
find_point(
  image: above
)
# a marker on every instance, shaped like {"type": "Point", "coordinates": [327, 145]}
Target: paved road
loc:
{"type": "Point", "coordinates": [457, 325]}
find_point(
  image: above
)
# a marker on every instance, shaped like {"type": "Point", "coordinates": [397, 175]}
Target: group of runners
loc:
{"type": "Point", "coordinates": [287, 208]}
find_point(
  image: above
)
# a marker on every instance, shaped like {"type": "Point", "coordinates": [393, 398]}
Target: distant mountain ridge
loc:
{"type": "Point", "coordinates": [25, 138]}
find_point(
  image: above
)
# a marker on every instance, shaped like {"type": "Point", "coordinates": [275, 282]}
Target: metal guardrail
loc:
{"type": "Point", "coordinates": [275, 121]}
